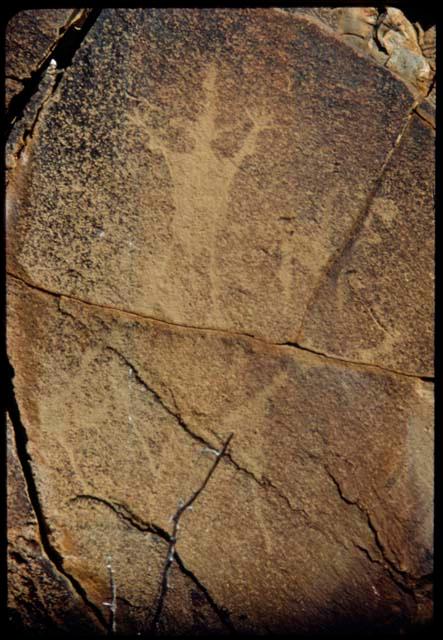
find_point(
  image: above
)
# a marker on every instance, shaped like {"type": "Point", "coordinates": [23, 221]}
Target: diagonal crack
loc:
{"type": "Point", "coordinates": [264, 482]}
{"type": "Point", "coordinates": [420, 108]}
{"type": "Point", "coordinates": [159, 399]}
{"type": "Point", "coordinates": [26, 107]}
{"type": "Point", "coordinates": [334, 262]}
{"type": "Point", "coordinates": [221, 612]}
{"type": "Point", "coordinates": [216, 330]}
{"type": "Point", "coordinates": [428, 119]}
{"type": "Point", "coordinates": [31, 115]}
{"type": "Point", "coordinates": [62, 50]}
{"type": "Point", "coordinates": [127, 516]}
{"type": "Point", "coordinates": [402, 579]}
{"type": "Point", "coordinates": [21, 441]}
{"type": "Point", "coordinates": [171, 555]}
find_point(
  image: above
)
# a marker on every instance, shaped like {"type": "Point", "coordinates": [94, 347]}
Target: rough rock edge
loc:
{"type": "Point", "coordinates": [26, 107]}
{"type": "Point", "coordinates": [44, 531]}
{"type": "Point", "coordinates": [364, 35]}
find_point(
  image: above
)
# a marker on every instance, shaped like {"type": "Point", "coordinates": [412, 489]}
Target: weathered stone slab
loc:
{"type": "Point", "coordinates": [28, 39]}
{"type": "Point", "coordinates": [426, 109]}
{"type": "Point", "coordinates": [39, 596]}
{"type": "Point", "coordinates": [320, 515]}
{"type": "Point", "coordinates": [376, 303]}
{"type": "Point", "coordinates": [202, 166]}
{"type": "Point", "coordinates": [197, 205]}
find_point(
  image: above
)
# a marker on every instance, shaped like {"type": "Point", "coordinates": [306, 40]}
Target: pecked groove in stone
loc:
{"type": "Point", "coordinates": [171, 173]}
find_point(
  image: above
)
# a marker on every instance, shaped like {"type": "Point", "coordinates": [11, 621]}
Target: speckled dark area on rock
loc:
{"type": "Point", "coordinates": [28, 39]}
{"type": "Point", "coordinates": [220, 225]}
{"type": "Point", "coordinates": [178, 167]}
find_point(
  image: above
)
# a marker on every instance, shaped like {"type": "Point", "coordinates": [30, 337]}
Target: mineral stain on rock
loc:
{"type": "Point", "coordinates": [221, 222]}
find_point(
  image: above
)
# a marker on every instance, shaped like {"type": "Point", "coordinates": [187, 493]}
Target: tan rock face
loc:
{"type": "Point", "coordinates": [376, 309]}
{"type": "Point", "coordinates": [39, 596]}
{"type": "Point", "coordinates": [121, 412]}
{"type": "Point", "coordinates": [151, 196]}
{"type": "Point", "coordinates": [203, 193]}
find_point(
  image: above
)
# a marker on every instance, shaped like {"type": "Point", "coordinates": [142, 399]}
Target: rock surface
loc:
{"type": "Point", "coordinates": [378, 296]}
{"type": "Point", "coordinates": [163, 184]}
{"type": "Point", "coordinates": [40, 597]}
{"type": "Point", "coordinates": [30, 36]}
{"type": "Point", "coordinates": [207, 199]}
{"type": "Point", "coordinates": [119, 411]}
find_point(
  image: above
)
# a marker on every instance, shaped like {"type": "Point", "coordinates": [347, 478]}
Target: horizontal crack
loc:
{"type": "Point", "coordinates": [356, 363]}
{"type": "Point", "coordinates": [225, 332]}
{"type": "Point", "coordinates": [21, 440]}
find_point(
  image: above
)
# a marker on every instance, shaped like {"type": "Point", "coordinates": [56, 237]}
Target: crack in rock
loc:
{"type": "Point", "coordinates": [160, 400]}
{"type": "Point", "coordinates": [127, 516]}
{"type": "Point", "coordinates": [52, 554]}
{"type": "Point", "coordinates": [356, 363]}
{"type": "Point", "coordinates": [226, 332]}
{"type": "Point", "coordinates": [171, 555]}
{"type": "Point", "coordinates": [221, 612]}
{"type": "Point", "coordinates": [334, 263]}
{"type": "Point", "coordinates": [425, 117]}
{"type": "Point", "coordinates": [63, 51]}
{"type": "Point", "coordinates": [404, 580]}
{"type": "Point", "coordinates": [26, 107]}
{"type": "Point", "coordinates": [23, 132]}
{"type": "Point", "coordinates": [264, 482]}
